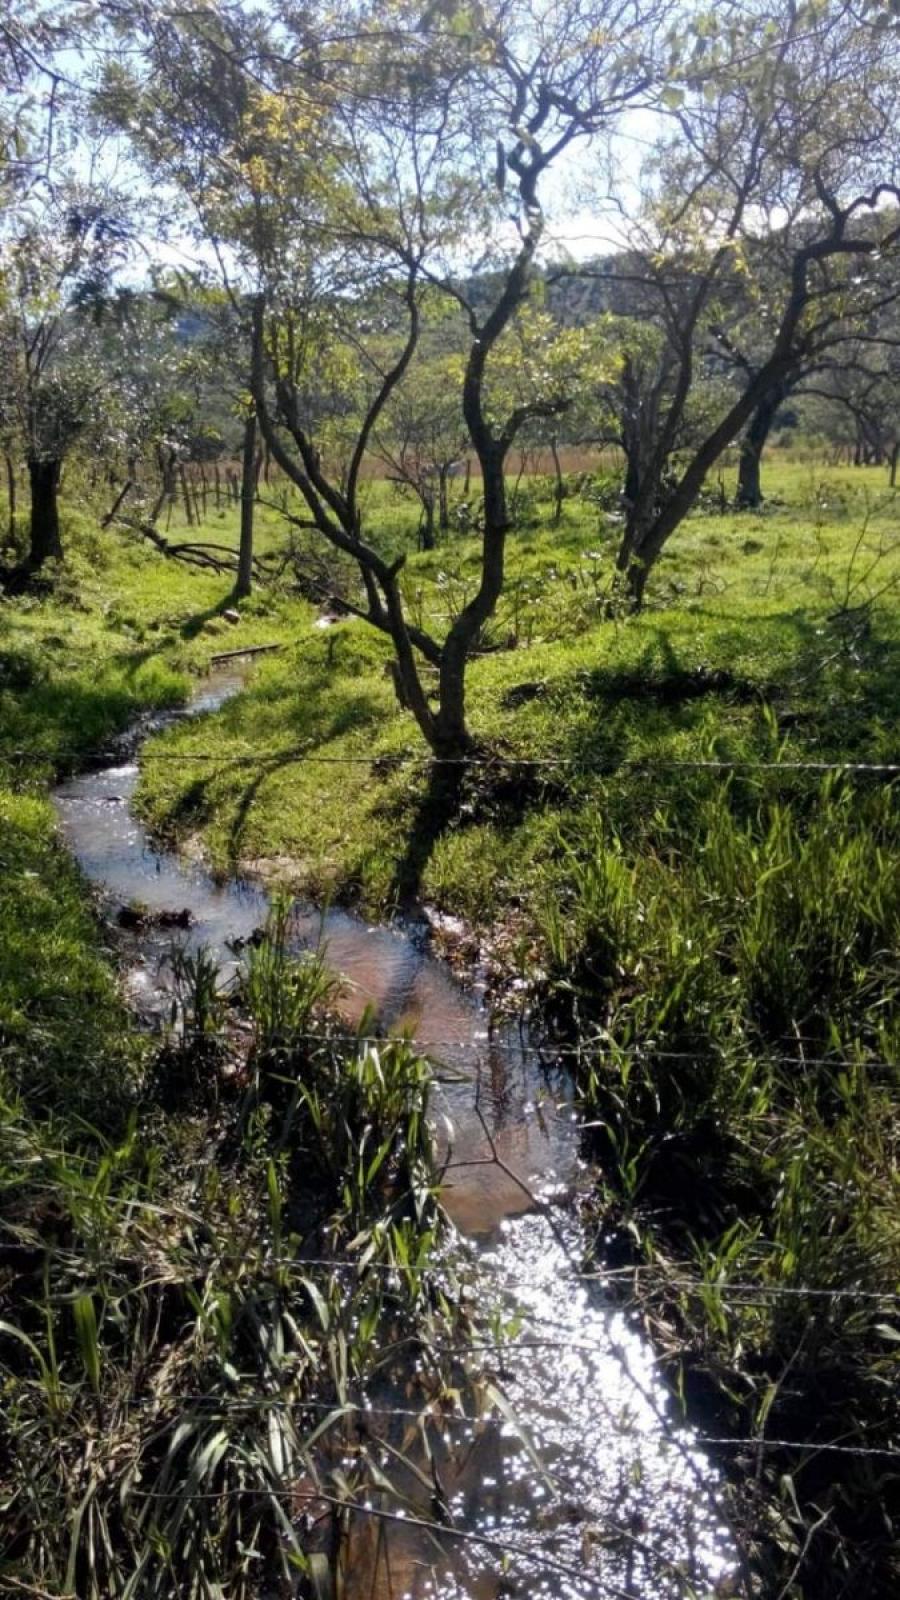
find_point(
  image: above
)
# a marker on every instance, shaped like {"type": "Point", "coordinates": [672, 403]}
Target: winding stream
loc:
{"type": "Point", "coordinates": [627, 1504]}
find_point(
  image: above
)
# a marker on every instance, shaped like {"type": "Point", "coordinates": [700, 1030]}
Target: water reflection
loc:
{"type": "Point", "coordinates": [628, 1502]}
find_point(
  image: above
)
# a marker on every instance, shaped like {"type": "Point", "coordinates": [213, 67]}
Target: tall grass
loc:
{"type": "Point", "coordinates": [735, 990]}
{"type": "Point", "coordinates": [179, 1377]}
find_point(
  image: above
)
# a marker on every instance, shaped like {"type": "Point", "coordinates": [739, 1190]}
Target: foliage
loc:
{"type": "Point", "coordinates": [193, 1274]}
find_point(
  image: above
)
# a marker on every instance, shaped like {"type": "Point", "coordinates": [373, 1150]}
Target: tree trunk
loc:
{"type": "Point", "coordinates": [117, 504]}
{"type": "Point", "coordinates": [452, 736]}
{"type": "Point", "coordinates": [426, 526]}
{"type": "Point", "coordinates": [631, 570]}
{"type": "Point", "coordinates": [166, 460]}
{"type": "Point", "coordinates": [186, 496]}
{"type": "Point", "coordinates": [749, 490]}
{"type": "Point", "coordinates": [662, 505]}
{"type": "Point", "coordinates": [11, 495]}
{"type": "Point", "coordinates": [559, 490]}
{"type": "Point", "coordinates": [443, 499]}
{"type": "Point", "coordinates": [895, 455]}
{"type": "Point", "coordinates": [248, 497]}
{"type": "Point", "coordinates": [45, 543]}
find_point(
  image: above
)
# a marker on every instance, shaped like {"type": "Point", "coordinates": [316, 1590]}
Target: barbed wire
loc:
{"type": "Point", "coordinates": [548, 1051]}
{"type": "Point", "coordinates": [751, 1441]}
{"type": "Point", "coordinates": [345, 1410]}
{"type": "Point", "coordinates": [723, 1288]}
{"type": "Point", "coordinates": [504, 1546]}
{"type": "Point", "coordinates": [510, 1348]}
{"type": "Point", "coordinates": [394, 759]}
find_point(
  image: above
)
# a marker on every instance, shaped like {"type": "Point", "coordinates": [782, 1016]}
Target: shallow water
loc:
{"type": "Point", "coordinates": [625, 1504]}
{"type": "Point", "coordinates": [624, 1501]}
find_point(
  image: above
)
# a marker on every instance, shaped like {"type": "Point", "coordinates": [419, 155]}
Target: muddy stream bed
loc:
{"type": "Point", "coordinates": [627, 1504]}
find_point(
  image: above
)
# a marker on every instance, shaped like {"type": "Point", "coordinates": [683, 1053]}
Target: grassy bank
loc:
{"type": "Point", "coordinates": [754, 648]}
{"type": "Point", "coordinates": [717, 941]}
{"type": "Point", "coordinates": [115, 634]}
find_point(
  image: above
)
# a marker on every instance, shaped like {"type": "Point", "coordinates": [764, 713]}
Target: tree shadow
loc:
{"type": "Point", "coordinates": [497, 790]}
{"type": "Point", "coordinates": [353, 713]}
{"type": "Point", "coordinates": [194, 625]}
{"type": "Point", "coordinates": [437, 809]}
{"type": "Point", "coordinates": [829, 681]}
{"type": "Point", "coordinates": [249, 795]}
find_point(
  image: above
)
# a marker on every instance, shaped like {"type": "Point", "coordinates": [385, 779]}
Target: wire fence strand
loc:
{"type": "Point", "coordinates": [407, 758]}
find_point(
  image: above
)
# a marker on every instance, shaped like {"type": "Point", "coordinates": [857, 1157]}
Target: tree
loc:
{"type": "Point", "coordinates": [56, 273]}
{"type": "Point", "coordinates": [423, 437]}
{"type": "Point", "coordinates": [343, 187]}
{"type": "Point", "coordinates": [527, 86]}
{"type": "Point", "coordinates": [857, 331]}
{"type": "Point", "coordinates": [244, 580]}
{"type": "Point", "coordinates": [783, 154]}
{"type": "Point", "coordinates": [855, 404]}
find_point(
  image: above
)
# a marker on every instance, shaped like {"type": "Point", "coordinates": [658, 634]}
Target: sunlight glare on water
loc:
{"type": "Point", "coordinates": [628, 1502]}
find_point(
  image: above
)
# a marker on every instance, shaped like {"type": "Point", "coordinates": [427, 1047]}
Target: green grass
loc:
{"type": "Point", "coordinates": [179, 1370]}
{"type": "Point", "coordinates": [751, 597]}
{"type": "Point", "coordinates": [119, 632]}
{"type": "Point", "coordinates": [721, 948]}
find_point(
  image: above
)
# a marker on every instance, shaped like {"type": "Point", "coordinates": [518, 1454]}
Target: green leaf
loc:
{"type": "Point", "coordinates": [498, 1398]}
{"type": "Point", "coordinates": [88, 1338]}
{"type": "Point", "coordinates": [318, 1300]}
{"type": "Point", "coordinates": [320, 1577]}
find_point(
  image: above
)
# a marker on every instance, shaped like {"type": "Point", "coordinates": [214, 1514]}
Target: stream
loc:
{"type": "Point", "coordinates": [626, 1504]}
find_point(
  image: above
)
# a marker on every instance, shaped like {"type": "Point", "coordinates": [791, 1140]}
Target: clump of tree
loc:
{"type": "Point", "coordinates": [372, 219]}
{"type": "Point", "coordinates": [56, 275]}
{"type": "Point", "coordinates": [767, 233]}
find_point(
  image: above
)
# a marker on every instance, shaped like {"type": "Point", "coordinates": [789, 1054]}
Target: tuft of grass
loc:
{"type": "Point", "coordinates": [733, 985]}
{"type": "Point", "coordinates": [182, 1378]}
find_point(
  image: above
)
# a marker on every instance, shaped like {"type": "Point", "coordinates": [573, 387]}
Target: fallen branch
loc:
{"type": "Point", "coordinates": [194, 552]}
{"type": "Point", "coordinates": [248, 650]}
{"type": "Point", "coordinates": [119, 501]}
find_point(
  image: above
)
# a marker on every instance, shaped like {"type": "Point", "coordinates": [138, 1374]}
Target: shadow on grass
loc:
{"type": "Point", "coordinates": [500, 792]}
{"type": "Point", "coordinates": [835, 682]}
{"type": "Point", "coordinates": [317, 728]}
{"type": "Point", "coordinates": [192, 626]}
{"type": "Point", "coordinates": [835, 690]}
{"type": "Point", "coordinates": [435, 812]}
